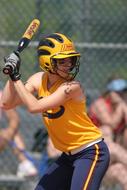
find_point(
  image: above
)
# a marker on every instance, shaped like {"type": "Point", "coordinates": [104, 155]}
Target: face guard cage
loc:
{"type": "Point", "coordinates": [74, 69]}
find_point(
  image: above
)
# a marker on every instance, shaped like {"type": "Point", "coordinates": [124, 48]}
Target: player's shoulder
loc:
{"type": "Point", "coordinates": [37, 75]}
{"type": "Point", "coordinates": [34, 81]}
{"type": "Point", "coordinates": [73, 88]}
{"type": "Point", "coordinates": [72, 84]}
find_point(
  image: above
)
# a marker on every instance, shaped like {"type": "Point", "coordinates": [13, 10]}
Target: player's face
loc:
{"type": "Point", "coordinates": [64, 66]}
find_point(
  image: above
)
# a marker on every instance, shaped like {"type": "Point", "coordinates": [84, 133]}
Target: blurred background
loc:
{"type": "Point", "coordinates": [99, 30]}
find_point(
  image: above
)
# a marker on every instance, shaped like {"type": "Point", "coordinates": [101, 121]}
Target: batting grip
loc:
{"type": "Point", "coordinates": [23, 43]}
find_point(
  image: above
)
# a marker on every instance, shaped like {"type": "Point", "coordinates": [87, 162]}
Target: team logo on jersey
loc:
{"type": "Point", "coordinates": [55, 115]}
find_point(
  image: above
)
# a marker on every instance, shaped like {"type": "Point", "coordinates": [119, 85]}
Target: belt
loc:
{"type": "Point", "coordinates": [79, 149]}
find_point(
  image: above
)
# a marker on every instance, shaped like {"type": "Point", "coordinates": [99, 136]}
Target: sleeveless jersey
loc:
{"type": "Point", "coordinates": [68, 125]}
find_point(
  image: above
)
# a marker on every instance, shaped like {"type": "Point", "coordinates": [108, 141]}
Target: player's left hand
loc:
{"type": "Point", "coordinates": [12, 62]}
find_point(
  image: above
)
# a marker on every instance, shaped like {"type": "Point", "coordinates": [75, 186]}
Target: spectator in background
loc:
{"type": "Point", "coordinates": [109, 112]}
{"type": "Point", "coordinates": [11, 136]}
{"type": "Point", "coordinates": [111, 109]}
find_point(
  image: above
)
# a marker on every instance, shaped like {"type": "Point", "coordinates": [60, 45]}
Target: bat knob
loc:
{"type": "Point", "coordinates": [7, 70]}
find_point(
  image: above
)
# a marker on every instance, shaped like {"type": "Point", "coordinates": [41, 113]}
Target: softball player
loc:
{"type": "Point", "coordinates": [61, 101]}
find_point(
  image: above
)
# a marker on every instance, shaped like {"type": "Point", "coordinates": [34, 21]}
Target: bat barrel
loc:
{"type": "Point", "coordinates": [23, 43]}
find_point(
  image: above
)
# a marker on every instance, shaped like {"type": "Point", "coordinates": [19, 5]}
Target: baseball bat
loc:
{"type": "Point", "coordinates": [24, 41]}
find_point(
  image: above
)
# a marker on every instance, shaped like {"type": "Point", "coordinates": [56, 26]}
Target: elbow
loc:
{"type": "Point", "coordinates": [5, 106]}
{"type": "Point", "coordinates": [32, 110]}
{"type": "Point", "coordinates": [35, 109]}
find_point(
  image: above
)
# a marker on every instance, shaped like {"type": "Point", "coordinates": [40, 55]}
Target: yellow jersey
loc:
{"type": "Point", "coordinates": [68, 126]}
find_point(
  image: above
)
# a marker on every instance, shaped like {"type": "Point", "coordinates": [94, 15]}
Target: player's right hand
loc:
{"type": "Point", "coordinates": [12, 66]}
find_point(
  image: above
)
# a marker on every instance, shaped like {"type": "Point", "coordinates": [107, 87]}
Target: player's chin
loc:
{"type": "Point", "coordinates": [67, 77]}
{"type": "Point", "coordinates": [64, 75]}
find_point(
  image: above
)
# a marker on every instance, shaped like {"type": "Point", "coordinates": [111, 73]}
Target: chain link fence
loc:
{"type": "Point", "coordinates": [97, 27]}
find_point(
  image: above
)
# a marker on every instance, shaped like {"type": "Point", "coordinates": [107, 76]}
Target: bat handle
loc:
{"type": "Point", "coordinates": [23, 43]}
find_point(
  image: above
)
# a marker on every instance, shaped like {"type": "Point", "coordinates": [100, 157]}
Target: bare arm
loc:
{"type": "Point", "coordinates": [13, 123]}
{"type": "Point", "coordinates": [60, 96]}
{"type": "Point", "coordinates": [51, 150]}
{"type": "Point", "coordinates": [8, 133]}
{"type": "Point", "coordinates": [107, 118]}
{"type": "Point", "coordinates": [10, 97]}
{"type": "Point", "coordinates": [125, 110]}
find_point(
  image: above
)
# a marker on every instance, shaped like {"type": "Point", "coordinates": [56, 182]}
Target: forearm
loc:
{"type": "Point", "coordinates": [10, 97]}
{"type": "Point", "coordinates": [125, 112]}
{"type": "Point", "coordinates": [13, 123]}
{"type": "Point", "coordinates": [51, 150]}
{"type": "Point", "coordinates": [27, 98]}
{"type": "Point", "coordinates": [12, 130]}
{"type": "Point", "coordinates": [112, 118]}
{"type": "Point", "coordinates": [117, 116]}
{"type": "Point", "coordinates": [9, 133]}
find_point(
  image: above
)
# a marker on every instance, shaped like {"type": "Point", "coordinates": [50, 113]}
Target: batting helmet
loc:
{"type": "Point", "coordinates": [55, 46]}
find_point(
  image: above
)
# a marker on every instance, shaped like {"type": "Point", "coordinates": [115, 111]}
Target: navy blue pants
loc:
{"type": "Point", "coordinates": [81, 171]}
